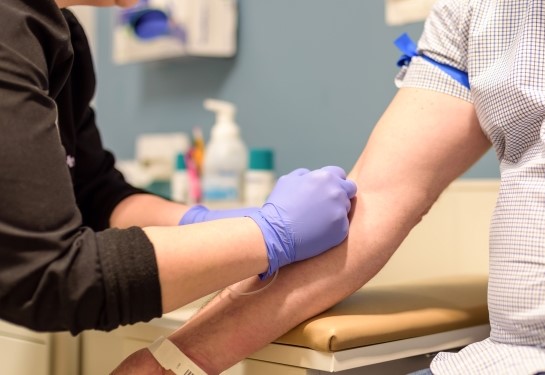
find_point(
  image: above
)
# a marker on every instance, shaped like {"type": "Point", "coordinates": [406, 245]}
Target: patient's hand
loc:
{"type": "Point", "coordinates": [140, 362]}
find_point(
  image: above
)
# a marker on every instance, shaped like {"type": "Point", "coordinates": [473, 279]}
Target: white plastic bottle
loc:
{"type": "Point", "coordinates": [179, 183]}
{"type": "Point", "coordinates": [259, 178]}
{"type": "Point", "coordinates": [225, 159]}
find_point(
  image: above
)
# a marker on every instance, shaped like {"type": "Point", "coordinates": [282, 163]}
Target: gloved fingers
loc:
{"type": "Point", "coordinates": [350, 187]}
{"type": "Point", "coordinates": [336, 171]}
{"type": "Point", "coordinates": [299, 172]}
{"type": "Point", "coordinates": [348, 205]}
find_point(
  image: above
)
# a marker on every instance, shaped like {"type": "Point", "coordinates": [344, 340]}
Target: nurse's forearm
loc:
{"type": "Point", "coordinates": [196, 260]}
{"type": "Point", "coordinates": [144, 210]}
{"type": "Point", "coordinates": [400, 174]}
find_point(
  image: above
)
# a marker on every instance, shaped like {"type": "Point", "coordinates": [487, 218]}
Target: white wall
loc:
{"type": "Point", "coordinates": [87, 17]}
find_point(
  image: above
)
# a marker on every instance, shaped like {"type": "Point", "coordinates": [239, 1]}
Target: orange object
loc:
{"type": "Point", "coordinates": [198, 149]}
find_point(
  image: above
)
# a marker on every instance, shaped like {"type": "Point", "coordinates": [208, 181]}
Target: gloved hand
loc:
{"type": "Point", "coordinates": [199, 214]}
{"type": "Point", "coordinates": [305, 214]}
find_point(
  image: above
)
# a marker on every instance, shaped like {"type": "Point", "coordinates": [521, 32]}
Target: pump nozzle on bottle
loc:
{"type": "Point", "coordinates": [225, 111]}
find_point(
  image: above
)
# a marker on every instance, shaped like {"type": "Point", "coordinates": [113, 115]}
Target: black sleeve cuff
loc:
{"type": "Point", "coordinates": [131, 277]}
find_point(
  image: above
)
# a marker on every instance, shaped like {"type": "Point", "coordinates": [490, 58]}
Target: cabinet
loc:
{"type": "Point", "coordinates": [23, 352]}
{"type": "Point", "coordinates": [101, 352]}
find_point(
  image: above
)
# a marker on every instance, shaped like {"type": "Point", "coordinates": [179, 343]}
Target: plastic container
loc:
{"type": "Point", "coordinates": [179, 183]}
{"type": "Point", "coordinates": [225, 158]}
{"type": "Point", "coordinates": [260, 177]}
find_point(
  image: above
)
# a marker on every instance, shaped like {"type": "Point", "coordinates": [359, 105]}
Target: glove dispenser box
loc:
{"type": "Point", "coordinates": [161, 29]}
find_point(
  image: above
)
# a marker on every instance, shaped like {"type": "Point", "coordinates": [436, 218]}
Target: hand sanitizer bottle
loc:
{"type": "Point", "coordinates": [225, 159]}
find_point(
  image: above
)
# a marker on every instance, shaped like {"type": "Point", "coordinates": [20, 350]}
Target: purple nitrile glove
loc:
{"type": "Point", "coordinates": [199, 214]}
{"type": "Point", "coordinates": [305, 215]}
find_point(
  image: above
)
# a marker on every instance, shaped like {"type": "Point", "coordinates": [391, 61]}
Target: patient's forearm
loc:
{"type": "Point", "coordinates": [399, 175]}
{"type": "Point", "coordinates": [232, 327]}
{"type": "Point", "coordinates": [245, 323]}
{"type": "Point", "coordinates": [422, 142]}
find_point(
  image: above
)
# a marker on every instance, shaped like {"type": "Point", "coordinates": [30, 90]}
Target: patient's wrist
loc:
{"type": "Point", "coordinates": [200, 360]}
{"type": "Point", "coordinates": [170, 357]}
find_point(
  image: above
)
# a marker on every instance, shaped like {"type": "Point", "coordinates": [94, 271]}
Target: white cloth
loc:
{"type": "Point", "coordinates": [501, 44]}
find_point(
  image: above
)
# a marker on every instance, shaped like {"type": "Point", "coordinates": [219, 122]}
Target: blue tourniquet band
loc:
{"type": "Point", "coordinates": [408, 47]}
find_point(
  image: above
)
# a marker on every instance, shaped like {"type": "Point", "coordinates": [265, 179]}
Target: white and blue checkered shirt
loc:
{"type": "Point", "coordinates": [501, 44]}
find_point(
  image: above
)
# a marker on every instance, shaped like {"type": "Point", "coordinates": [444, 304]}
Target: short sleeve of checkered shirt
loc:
{"type": "Point", "coordinates": [444, 40]}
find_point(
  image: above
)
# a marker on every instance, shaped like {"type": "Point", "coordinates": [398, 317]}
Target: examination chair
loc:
{"type": "Point", "coordinates": [381, 330]}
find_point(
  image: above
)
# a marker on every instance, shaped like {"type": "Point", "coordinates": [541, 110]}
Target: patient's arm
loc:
{"type": "Point", "coordinates": [423, 141]}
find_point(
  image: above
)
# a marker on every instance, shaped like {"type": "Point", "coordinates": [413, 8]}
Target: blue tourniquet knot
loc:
{"type": "Point", "coordinates": [408, 47]}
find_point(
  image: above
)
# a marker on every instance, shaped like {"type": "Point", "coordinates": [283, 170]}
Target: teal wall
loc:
{"type": "Point", "coordinates": [310, 80]}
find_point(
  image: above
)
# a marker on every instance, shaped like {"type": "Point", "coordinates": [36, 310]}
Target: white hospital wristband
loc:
{"type": "Point", "coordinates": [171, 358]}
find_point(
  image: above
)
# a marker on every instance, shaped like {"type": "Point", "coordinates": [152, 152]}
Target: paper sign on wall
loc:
{"type": "Point", "coordinates": [400, 12]}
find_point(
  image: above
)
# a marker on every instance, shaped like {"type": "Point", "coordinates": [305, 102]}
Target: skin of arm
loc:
{"type": "Point", "coordinates": [423, 141]}
{"type": "Point", "coordinates": [194, 260]}
{"type": "Point", "coordinates": [198, 259]}
{"type": "Point", "coordinates": [144, 210]}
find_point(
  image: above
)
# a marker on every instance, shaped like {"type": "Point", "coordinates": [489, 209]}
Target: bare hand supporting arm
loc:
{"type": "Point", "coordinates": [423, 141]}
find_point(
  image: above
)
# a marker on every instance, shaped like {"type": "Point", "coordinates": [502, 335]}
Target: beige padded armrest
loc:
{"type": "Point", "coordinates": [382, 314]}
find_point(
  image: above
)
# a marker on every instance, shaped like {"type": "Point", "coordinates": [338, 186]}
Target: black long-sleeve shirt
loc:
{"type": "Point", "coordinates": [60, 267]}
